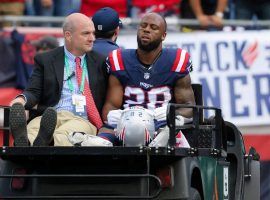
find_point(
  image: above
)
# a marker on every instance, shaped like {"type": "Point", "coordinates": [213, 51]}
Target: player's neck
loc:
{"type": "Point", "coordinates": [148, 57]}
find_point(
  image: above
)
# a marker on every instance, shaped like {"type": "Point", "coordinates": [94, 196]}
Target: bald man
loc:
{"type": "Point", "coordinates": [60, 86]}
{"type": "Point", "coordinates": [149, 76]}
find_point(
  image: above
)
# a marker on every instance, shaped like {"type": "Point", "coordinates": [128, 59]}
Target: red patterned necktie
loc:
{"type": "Point", "coordinates": [91, 109]}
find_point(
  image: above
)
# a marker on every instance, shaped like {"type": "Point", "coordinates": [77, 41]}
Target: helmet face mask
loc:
{"type": "Point", "coordinates": [136, 127]}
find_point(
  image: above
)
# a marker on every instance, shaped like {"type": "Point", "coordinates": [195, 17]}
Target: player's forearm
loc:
{"type": "Point", "coordinates": [186, 98]}
{"type": "Point", "coordinates": [185, 112]}
{"type": "Point", "coordinates": [221, 6]}
{"type": "Point", "coordinates": [196, 7]}
{"type": "Point", "coordinates": [106, 109]}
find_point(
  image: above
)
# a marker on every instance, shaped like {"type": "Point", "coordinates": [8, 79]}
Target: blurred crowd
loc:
{"type": "Point", "coordinates": [208, 12]}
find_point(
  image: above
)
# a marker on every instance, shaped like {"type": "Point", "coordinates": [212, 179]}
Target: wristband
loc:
{"type": "Point", "coordinates": [219, 14]}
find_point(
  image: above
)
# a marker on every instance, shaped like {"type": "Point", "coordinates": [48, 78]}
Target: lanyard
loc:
{"type": "Point", "coordinates": [84, 70]}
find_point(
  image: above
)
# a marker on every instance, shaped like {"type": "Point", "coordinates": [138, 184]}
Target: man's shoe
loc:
{"type": "Point", "coordinates": [83, 139]}
{"type": "Point", "coordinates": [47, 127]}
{"type": "Point", "coordinates": [17, 123]}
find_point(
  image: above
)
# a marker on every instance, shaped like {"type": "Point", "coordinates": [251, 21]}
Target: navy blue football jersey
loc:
{"type": "Point", "coordinates": [150, 86]}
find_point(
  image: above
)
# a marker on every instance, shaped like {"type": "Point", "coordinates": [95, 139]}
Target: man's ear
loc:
{"type": "Point", "coordinates": [164, 36]}
{"type": "Point", "coordinates": [116, 33]}
{"type": "Point", "coordinates": [117, 30]}
{"type": "Point", "coordinates": [67, 36]}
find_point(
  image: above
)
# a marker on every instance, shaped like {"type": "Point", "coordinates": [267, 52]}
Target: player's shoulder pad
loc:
{"type": "Point", "coordinates": [181, 62]}
{"type": "Point", "coordinates": [116, 60]}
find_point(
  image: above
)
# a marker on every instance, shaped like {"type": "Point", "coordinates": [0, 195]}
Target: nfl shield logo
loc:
{"type": "Point", "coordinates": [146, 76]}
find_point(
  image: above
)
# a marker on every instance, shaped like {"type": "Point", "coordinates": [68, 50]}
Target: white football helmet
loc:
{"type": "Point", "coordinates": [136, 126]}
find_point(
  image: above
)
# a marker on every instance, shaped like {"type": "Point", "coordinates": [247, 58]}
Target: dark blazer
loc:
{"type": "Point", "coordinates": [46, 83]}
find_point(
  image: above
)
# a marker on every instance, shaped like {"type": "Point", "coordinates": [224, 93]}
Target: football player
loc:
{"type": "Point", "coordinates": [149, 76]}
